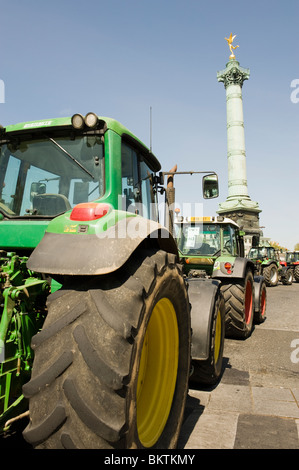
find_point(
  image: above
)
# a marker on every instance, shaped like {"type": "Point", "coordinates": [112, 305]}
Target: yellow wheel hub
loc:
{"type": "Point", "coordinates": [157, 372]}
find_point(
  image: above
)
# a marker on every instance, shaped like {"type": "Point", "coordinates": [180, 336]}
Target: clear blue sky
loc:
{"type": "Point", "coordinates": [118, 58]}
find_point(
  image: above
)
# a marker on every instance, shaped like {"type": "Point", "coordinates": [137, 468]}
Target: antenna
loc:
{"type": "Point", "coordinates": [151, 130]}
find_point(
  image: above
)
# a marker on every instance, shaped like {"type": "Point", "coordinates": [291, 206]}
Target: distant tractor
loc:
{"type": "Point", "coordinates": [292, 263]}
{"type": "Point", "coordinates": [213, 248]}
{"type": "Point", "coordinates": [269, 266]}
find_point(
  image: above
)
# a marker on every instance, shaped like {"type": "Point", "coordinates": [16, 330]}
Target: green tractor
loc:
{"type": "Point", "coordinates": [213, 248]}
{"type": "Point", "coordinates": [95, 329]}
{"type": "Point", "coordinates": [267, 264]}
{"type": "Point", "coordinates": [292, 263]}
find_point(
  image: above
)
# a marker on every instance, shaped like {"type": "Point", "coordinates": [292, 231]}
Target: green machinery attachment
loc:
{"type": "Point", "coordinates": [23, 311]}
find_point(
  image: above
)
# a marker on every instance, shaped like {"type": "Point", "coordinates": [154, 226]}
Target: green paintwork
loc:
{"type": "Point", "coordinates": [17, 234]}
{"type": "Point", "coordinates": [63, 223]}
{"type": "Point", "coordinates": [66, 121]}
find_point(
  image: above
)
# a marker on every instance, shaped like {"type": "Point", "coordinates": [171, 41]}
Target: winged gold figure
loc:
{"type": "Point", "coordinates": [230, 45]}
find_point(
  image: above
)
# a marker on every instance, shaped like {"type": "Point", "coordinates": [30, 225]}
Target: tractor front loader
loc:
{"type": "Point", "coordinates": [95, 314]}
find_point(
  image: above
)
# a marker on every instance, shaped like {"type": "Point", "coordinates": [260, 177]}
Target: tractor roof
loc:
{"type": "Point", "coordinates": [117, 127]}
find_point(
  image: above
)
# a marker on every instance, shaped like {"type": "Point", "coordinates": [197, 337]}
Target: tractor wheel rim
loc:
{"type": "Point", "coordinates": [248, 302]}
{"type": "Point", "coordinates": [157, 372]}
{"type": "Point", "coordinates": [273, 275]}
{"type": "Point", "coordinates": [263, 303]}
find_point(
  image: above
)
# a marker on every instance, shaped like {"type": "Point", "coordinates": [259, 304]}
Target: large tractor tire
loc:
{"type": "Point", "coordinates": [287, 277]}
{"type": "Point", "coordinates": [208, 371]}
{"type": "Point", "coordinates": [270, 274]}
{"type": "Point", "coordinates": [296, 273]}
{"type": "Point", "coordinates": [260, 301]}
{"type": "Point", "coordinates": [112, 362]}
{"type": "Point", "coordinates": [239, 306]}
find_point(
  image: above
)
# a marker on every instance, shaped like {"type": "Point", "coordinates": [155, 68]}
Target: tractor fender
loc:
{"type": "Point", "coordinates": [81, 254]}
{"type": "Point", "coordinates": [268, 263]}
{"type": "Point", "coordinates": [239, 268]}
{"type": "Point", "coordinates": [257, 284]}
{"type": "Point", "coordinates": [202, 295]}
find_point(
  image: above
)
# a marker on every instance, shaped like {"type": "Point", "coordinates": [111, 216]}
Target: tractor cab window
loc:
{"type": "Point", "coordinates": [137, 188]}
{"type": "Point", "coordinates": [229, 240]}
{"type": "Point", "coordinates": [195, 239]}
{"type": "Point", "coordinates": [130, 180]}
{"type": "Point", "coordinates": [292, 257]}
{"type": "Point", "coordinates": [148, 199]}
{"type": "Point", "coordinates": [47, 177]}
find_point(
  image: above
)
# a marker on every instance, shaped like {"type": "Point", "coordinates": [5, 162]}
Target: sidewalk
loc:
{"type": "Point", "coordinates": [241, 417]}
{"type": "Point", "coordinates": [254, 409]}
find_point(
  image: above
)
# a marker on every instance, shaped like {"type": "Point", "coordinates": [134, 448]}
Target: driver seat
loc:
{"type": "Point", "coordinates": [50, 204]}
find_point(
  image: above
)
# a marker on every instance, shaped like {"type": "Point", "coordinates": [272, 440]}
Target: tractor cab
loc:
{"type": "Point", "coordinates": [262, 253]}
{"type": "Point", "coordinates": [49, 167]}
{"type": "Point", "coordinates": [202, 240]}
{"type": "Point", "coordinates": [292, 257]}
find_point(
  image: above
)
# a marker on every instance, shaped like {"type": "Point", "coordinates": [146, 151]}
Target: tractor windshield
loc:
{"type": "Point", "coordinates": [292, 257]}
{"type": "Point", "coordinates": [261, 253]}
{"type": "Point", "coordinates": [44, 177]}
{"type": "Point", "coordinates": [198, 239]}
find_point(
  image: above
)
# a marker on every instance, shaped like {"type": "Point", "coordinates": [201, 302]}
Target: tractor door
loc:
{"type": "Point", "coordinates": [137, 188]}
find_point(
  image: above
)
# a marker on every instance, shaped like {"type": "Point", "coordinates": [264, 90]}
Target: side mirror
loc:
{"type": "Point", "coordinates": [37, 188]}
{"type": "Point", "coordinates": [210, 186]}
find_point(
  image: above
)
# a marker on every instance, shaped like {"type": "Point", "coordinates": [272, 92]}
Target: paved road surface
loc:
{"type": "Point", "coordinates": [256, 403]}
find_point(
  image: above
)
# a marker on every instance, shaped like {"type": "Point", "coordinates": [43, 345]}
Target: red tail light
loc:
{"type": "Point", "coordinates": [228, 268]}
{"type": "Point", "coordinates": [90, 211]}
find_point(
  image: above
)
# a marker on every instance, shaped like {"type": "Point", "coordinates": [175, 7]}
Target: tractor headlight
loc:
{"type": "Point", "coordinates": [78, 121]}
{"type": "Point", "coordinates": [91, 120]}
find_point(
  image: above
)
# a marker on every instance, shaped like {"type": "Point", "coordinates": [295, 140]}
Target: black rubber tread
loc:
{"type": "Point", "coordinates": [234, 298]}
{"type": "Point", "coordinates": [112, 378]}
{"type": "Point", "coordinates": [48, 426]}
{"type": "Point", "coordinates": [267, 275]}
{"type": "Point", "coordinates": [84, 373]}
{"type": "Point", "coordinates": [287, 277]}
{"type": "Point", "coordinates": [296, 273]}
{"type": "Point", "coordinates": [208, 372]}
{"type": "Point", "coordinates": [54, 328]}
{"type": "Point", "coordinates": [258, 316]}
{"type": "Point", "coordinates": [48, 376]}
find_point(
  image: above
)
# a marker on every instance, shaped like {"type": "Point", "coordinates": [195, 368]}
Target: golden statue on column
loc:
{"type": "Point", "coordinates": [230, 45]}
